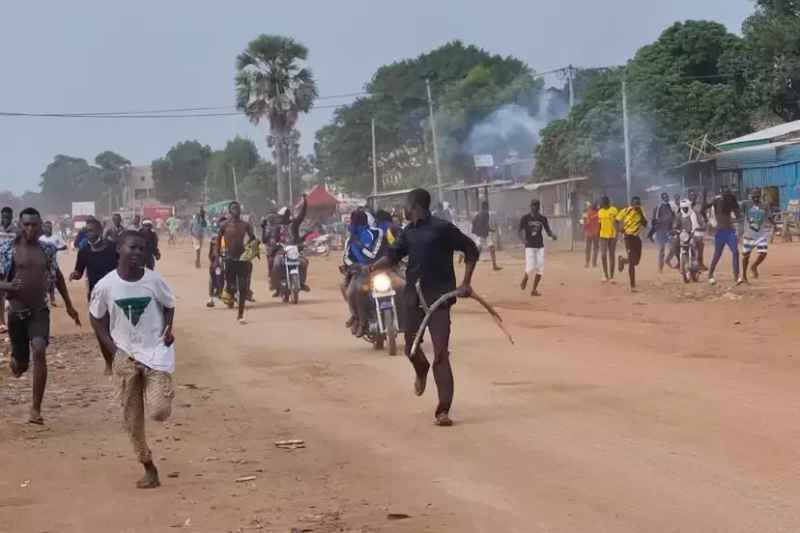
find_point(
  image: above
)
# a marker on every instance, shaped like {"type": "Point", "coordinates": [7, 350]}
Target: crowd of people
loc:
{"type": "Point", "coordinates": [132, 308]}
{"type": "Point", "coordinates": [696, 216]}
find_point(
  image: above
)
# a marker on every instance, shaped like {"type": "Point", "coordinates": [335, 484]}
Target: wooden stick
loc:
{"type": "Point", "coordinates": [447, 297]}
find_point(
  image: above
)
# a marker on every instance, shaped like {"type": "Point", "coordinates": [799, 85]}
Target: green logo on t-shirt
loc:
{"type": "Point", "coordinates": [133, 307]}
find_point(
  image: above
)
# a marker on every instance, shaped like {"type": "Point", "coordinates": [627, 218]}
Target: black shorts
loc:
{"type": "Point", "coordinates": [23, 327]}
{"type": "Point", "coordinates": [633, 244]}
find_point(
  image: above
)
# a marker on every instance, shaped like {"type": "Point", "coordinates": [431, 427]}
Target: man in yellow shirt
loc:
{"type": "Point", "coordinates": [632, 221]}
{"type": "Point", "coordinates": [607, 214]}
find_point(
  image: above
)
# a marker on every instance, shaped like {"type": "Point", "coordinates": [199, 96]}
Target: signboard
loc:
{"type": "Point", "coordinates": [82, 208]}
{"type": "Point", "coordinates": [484, 161]}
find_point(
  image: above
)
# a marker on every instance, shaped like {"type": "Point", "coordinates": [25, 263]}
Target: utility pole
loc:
{"type": "Point", "coordinates": [205, 190]}
{"type": "Point", "coordinates": [374, 162]}
{"type": "Point", "coordinates": [435, 142]}
{"type": "Point", "coordinates": [627, 139]}
{"type": "Point", "coordinates": [570, 76]}
{"type": "Point", "coordinates": [235, 184]}
{"type": "Point", "coordinates": [291, 185]}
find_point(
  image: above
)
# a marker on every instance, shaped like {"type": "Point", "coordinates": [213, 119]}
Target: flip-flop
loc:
{"type": "Point", "coordinates": [38, 420]}
{"type": "Point", "coordinates": [3, 329]}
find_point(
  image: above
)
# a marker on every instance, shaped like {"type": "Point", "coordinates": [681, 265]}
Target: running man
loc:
{"type": "Point", "coordinates": [632, 221]}
{"type": "Point", "coordinates": [115, 229]}
{"type": "Point", "coordinates": [726, 211]}
{"type": "Point", "coordinates": [132, 311]}
{"type": "Point", "coordinates": [484, 228]}
{"type": "Point", "coordinates": [198, 229]}
{"type": "Point", "coordinates": [661, 230]}
{"type": "Point", "coordinates": [56, 240]}
{"type": "Point", "coordinates": [173, 224]}
{"type": "Point", "coordinates": [530, 230]}
{"type": "Point", "coordinates": [237, 272]}
{"type": "Point", "coordinates": [591, 232]}
{"type": "Point", "coordinates": [26, 267]}
{"type": "Point", "coordinates": [429, 243]}
{"type": "Point", "coordinates": [96, 259]}
{"type": "Point", "coordinates": [758, 225]}
{"type": "Point", "coordinates": [152, 253]}
{"type": "Point", "coordinates": [607, 215]}
{"type": "Point", "coordinates": [8, 231]}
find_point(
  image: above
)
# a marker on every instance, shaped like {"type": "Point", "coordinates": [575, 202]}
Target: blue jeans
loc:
{"type": "Point", "coordinates": [723, 238]}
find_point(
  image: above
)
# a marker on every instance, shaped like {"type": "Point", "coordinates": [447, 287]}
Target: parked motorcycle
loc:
{"type": "Point", "coordinates": [290, 283]}
{"type": "Point", "coordinates": [318, 245]}
{"type": "Point", "coordinates": [383, 325]}
{"type": "Point", "coordinates": [688, 264]}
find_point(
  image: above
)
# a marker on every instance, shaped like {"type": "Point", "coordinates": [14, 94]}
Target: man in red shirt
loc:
{"type": "Point", "coordinates": [591, 232]}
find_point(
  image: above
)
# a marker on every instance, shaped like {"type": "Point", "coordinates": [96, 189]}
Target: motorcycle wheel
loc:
{"type": "Point", "coordinates": [391, 330]}
{"type": "Point", "coordinates": [695, 276]}
{"type": "Point", "coordinates": [295, 292]}
{"type": "Point", "coordinates": [285, 296]}
{"type": "Point", "coordinates": [684, 266]}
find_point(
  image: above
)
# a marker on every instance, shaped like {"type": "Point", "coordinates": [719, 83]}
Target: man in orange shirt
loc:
{"type": "Point", "coordinates": [591, 232]}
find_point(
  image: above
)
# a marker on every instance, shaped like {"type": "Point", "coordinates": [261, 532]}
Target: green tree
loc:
{"type": "Point", "coordinates": [239, 156]}
{"type": "Point", "coordinates": [677, 92]}
{"type": "Point", "coordinates": [272, 84]}
{"type": "Point", "coordinates": [70, 179]}
{"type": "Point", "coordinates": [469, 85]}
{"type": "Point", "coordinates": [768, 66]}
{"type": "Point", "coordinates": [114, 170]}
{"type": "Point", "coordinates": [181, 173]}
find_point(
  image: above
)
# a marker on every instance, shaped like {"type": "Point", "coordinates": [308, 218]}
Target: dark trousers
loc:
{"type": "Point", "coordinates": [439, 332]}
{"type": "Point", "coordinates": [237, 276]}
{"type": "Point", "coordinates": [592, 247]}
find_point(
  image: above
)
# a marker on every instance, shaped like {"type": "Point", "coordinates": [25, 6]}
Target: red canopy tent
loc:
{"type": "Point", "coordinates": [321, 204]}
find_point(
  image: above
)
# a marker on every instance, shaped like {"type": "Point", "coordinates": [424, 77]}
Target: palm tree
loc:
{"type": "Point", "coordinates": [272, 84]}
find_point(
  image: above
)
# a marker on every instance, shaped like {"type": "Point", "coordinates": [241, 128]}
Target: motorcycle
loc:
{"type": "Point", "coordinates": [290, 284]}
{"type": "Point", "coordinates": [383, 325]}
{"type": "Point", "coordinates": [688, 260]}
{"type": "Point", "coordinates": [318, 245]}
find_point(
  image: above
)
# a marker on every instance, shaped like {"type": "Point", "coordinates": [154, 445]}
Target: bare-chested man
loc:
{"type": "Point", "coordinates": [237, 271]}
{"type": "Point", "coordinates": [26, 267]}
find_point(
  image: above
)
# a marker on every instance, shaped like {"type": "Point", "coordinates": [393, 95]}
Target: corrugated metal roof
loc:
{"type": "Point", "coordinates": [772, 154]}
{"type": "Point", "coordinates": [768, 134]}
{"type": "Point", "coordinates": [536, 186]}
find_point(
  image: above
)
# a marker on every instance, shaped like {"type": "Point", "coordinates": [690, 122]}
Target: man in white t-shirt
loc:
{"type": "Point", "coordinates": [132, 310]}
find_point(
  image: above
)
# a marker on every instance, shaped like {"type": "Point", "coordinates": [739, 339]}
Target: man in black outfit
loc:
{"type": "Point", "coordinates": [429, 243]}
{"type": "Point", "coordinates": [97, 258]}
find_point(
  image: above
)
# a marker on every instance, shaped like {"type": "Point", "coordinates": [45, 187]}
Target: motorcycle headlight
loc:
{"type": "Point", "coordinates": [293, 253]}
{"type": "Point", "coordinates": [381, 283]}
{"type": "Point", "coordinates": [684, 236]}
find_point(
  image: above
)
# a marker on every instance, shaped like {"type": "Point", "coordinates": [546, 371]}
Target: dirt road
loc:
{"type": "Point", "coordinates": [675, 409]}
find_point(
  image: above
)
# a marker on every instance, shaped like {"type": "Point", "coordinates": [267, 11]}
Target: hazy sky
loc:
{"type": "Point", "coordinates": [92, 55]}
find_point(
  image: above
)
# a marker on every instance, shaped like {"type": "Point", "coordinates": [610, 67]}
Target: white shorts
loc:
{"type": "Point", "coordinates": [534, 261]}
{"type": "Point", "coordinates": [197, 243]}
{"type": "Point", "coordinates": [755, 241]}
{"type": "Point", "coordinates": [486, 242]}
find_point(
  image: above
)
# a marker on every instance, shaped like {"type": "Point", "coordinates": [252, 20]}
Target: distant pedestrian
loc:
{"type": "Point", "coordinates": [484, 228]}
{"type": "Point", "coordinates": [531, 229]}
{"type": "Point", "coordinates": [58, 243]}
{"type": "Point", "coordinates": [726, 211]}
{"type": "Point", "coordinates": [115, 229]}
{"type": "Point", "coordinates": [591, 232]}
{"type": "Point", "coordinates": [661, 230]}
{"type": "Point", "coordinates": [152, 253]}
{"type": "Point", "coordinates": [607, 215]}
{"type": "Point", "coordinates": [198, 229]}
{"type": "Point", "coordinates": [132, 312]}
{"type": "Point", "coordinates": [758, 226]}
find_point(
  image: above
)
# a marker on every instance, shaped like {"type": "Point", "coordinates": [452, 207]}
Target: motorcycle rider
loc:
{"type": "Point", "coordinates": [688, 220]}
{"type": "Point", "coordinates": [286, 230]}
{"type": "Point", "coordinates": [364, 245]}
